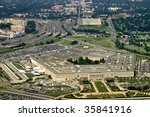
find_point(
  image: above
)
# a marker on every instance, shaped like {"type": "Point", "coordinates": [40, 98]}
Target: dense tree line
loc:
{"type": "Point", "coordinates": [25, 6]}
{"type": "Point", "coordinates": [139, 88]}
{"type": "Point", "coordinates": [121, 45]}
{"type": "Point", "coordinates": [130, 23]}
{"type": "Point", "coordinates": [74, 42]}
{"type": "Point", "coordinates": [128, 6]}
{"type": "Point", "coordinates": [31, 27]}
{"type": "Point", "coordinates": [86, 61]}
{"type": "Point", "coordinates": [87, 30]}
{"type": "Point", "coordinates": [5, 25]}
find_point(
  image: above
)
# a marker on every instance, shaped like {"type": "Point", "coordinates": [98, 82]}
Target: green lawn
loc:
{"type": "Point", "coordinates": [101, 41]}
{"type": "Point", "coordinates": [133, 47]}
{"type": "Point", "coordinates": [17, 74]}
{"type": "Point", "coordinates": [105, 42]}
{"type": "Point", "coordinates": [142, 95]}
{"type": "Point", "coordinates": [70, 96]}
{"type": "Point", "coordinates": [130, 80]}
{"type": "Point", "coordinates": [98, 28]}
{"type": "Point", "coordinates": [94, 96]}
{"type": "Point", "coordinates": [130, 94]}
{"type": "Point", "coordinates": [3, 75]}
{"type": "Point", "coordinates": [1, 93]}
{"type": "Point", "coordinates": [142, 80]}
{"type": "Point", "coordinates": [148, 43]}
{"type": "Point", "coordinates": [65, 42]}
{"type": "Point", "coordinates": [79, 94]}
{"type": "Point", "coordinates": [100, 86]}
{"type": "Point", "coordinates": [105, 96]}
{"type": "Point", "coordinates": [134, 80]}
{"type": "Point", "coordinates": [19, 66]}
{"type": "Point", "coordinates": [1, 87]}
{"type": "Point", "coordinates": [30, 75]}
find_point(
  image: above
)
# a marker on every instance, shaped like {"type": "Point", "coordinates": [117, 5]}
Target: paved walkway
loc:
{"type": "Point", "coordinates": [106, 86]}
{"type": "Point", "coordinates": [93, 83]}
{"type": "Point", "coordinates": [118, 85]}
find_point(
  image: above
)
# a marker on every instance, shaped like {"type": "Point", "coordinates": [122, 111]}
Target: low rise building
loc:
{"type": "Point", "coordinates": [9, 34]}
{"type": "Point", "coordinates": [62, 71]}
{"type": "Point", "coordinates": [21, 22]}
{"type": "Point", "coordinates": [91, 21]}
{"type": "Point", "coordinates": [58, 8]}
{"type": "Point", "coordinates": [17, 28]}
{"type": "Point", "coordinates": [114, 8]}
{"type": "Point", "coordinates": [71, 10]}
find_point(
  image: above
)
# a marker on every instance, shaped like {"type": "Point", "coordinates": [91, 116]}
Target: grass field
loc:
{"type": "Point", "coordinates": [70, 96]}
{"type": "Point", "coordinates": [99, 28]}
{"type": "Point", "coordinates": [65, 42]}
{"type": "Point", "coordinates": [100, 86]}
{"type": "Point", "coordinates": [144, 80]}
{"type": "Point", "coordinates": [30, 75]}
{"type": "Point", "coordinates": [79, 94]}
{"type": "Point", "coordinates": [105, 96]}
{"type": "Point", "coordinates": [133, 47]}
{"type": "Point", "coordinates": [148, 43]}
{"type": "Point", "coordinates": [142, 95]}
{"type": "Point", "coordinates": [19, 66]}
{"type": "Point", "coordinates": [1, 87]}
{"type": "Point", "coordinates": [101, 41]}
{"type": "Point", "coordinates": [15, 73]}
{"type": "Point", "coordinates": [94, 96]}
{"type": "Point", "coordinates": [3, 75]}
{"type": "Point", "coordinates": [1, 93]}
{"type": "Point", "coordinates": [132, 80]}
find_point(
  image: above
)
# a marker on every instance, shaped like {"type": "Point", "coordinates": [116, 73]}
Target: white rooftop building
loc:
{"type": "Point", "coordinates": [91, 21]}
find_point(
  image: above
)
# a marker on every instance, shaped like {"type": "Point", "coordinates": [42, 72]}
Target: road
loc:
{"type": "Point", "coordinates": [9, 89]}
{"type": "Point", "coordinates": [13, 77]}
{"type": "Point", "coordinates": [112, 29]}
{"type": "Point", "coordinates": [21, 75]}
{"type": "Point", "coordinates": [45, 28]}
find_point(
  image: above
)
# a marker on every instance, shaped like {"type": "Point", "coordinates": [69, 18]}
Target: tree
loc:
{"type": "Point", "coordinates": [5, 25]}
{"type": "Point", "coordinates": [74, 42]}
{"type": "Point", "coordinates": [31, 27]}
{"type": "Point", "coordinates": [21, 45]}
{"type": "Point", "coordinates": [50, 41]}
{"type": "Point", "coordinates": [102, 60]}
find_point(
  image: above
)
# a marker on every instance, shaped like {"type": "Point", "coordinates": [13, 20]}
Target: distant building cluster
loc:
{"type": "Point", "coordinates": [13, 21]}
{"type": "Point", "coordinates": [86, 8]}
{"type": "Point", "coordinates": [58, 8]}
{"type": "Point", "coordinates": [87, 13]}
{"type": "Point", "coordinates": [17, 28]}
{"type": "Point", "coordinates": [114, 8]}
{"type": "Point", "coordinates": [70, 8]}
{"type": "Point", "coordinates": [120, 15]}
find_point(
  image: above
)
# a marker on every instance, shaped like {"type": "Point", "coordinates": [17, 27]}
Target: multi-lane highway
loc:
{"type": "Point", "coordinates": [45, 28]}
{"type": "Point", "coordinates": [10, 90]}
{"type": "Point", "coordinates": [111, 29]}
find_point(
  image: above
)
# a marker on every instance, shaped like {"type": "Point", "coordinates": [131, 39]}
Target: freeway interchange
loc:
{"type": "Point", "coordinates": [44, 28]}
